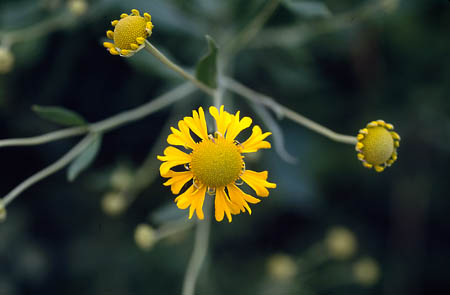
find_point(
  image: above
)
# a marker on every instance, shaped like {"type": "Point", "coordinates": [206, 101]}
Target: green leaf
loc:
{"type": "Point", "coordinates": [59, 115]}
{"type": "Point", "coordinates": [307, 8]}
{"type": "Point", "coordinates": [206, 70]}
{"type": "Point", "coordinates": [84, 159]}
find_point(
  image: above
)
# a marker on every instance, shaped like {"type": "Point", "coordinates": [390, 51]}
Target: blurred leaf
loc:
{"type": "Point", "coordinates": [84, 159]}
{"type": "Point", "coordinates": [59, 115]}
{"type": "Point", "coordinates": [307, 8]}
{"type": "Point", "coordinates": [206, 70]}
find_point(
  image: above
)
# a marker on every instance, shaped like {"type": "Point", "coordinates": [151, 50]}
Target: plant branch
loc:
{"type": "Point", "coordinates": [200, 249]}
{"type": "Point", "coordinates": [162, 58]}
{"type": "Point", "coordinates": [283, 111]}
{"type": "Point", "coordinates": [58, 165]}
{"type": "Point", "coordinates": [109, 123]}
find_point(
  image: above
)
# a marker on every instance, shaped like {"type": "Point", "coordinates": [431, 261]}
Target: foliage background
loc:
{"type": "Point", "coordinates": [392, 65]}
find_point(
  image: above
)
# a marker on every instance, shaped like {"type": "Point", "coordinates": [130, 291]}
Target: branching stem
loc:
{"type": "Point", "coordinates": [283, 111]}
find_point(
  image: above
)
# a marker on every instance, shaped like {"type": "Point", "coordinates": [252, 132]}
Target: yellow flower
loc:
{"type": "Point", "coordinates": [129, 33]}
{"type": "Point", "coordinates": [377, 145]}
{"type": "Point", "coordinates": [214, 163]}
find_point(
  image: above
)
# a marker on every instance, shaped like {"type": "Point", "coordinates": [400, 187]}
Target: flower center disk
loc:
{"type": "Point", "coordinates": [378, 145]}
{"type": "Point", "coordinates": [128, 29]}
{"type": "Point", "coordinates": [216, 162]}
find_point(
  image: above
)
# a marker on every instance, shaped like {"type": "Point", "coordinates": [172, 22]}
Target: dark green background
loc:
{"type": "Point", "coordinates": [386, 65]}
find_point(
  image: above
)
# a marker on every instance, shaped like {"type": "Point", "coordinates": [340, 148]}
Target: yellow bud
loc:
{"type": "Point", "coordinates": [113, 204]}
{"type": "Point", "coordinates": [145, 236]}
{"type": "Point", "coordinates": [378, 145]}
{"type": "Point", "coordinates": [6, 60]}
{"type": "Point", "coordinates": [129, 32]}
{"type": "Point", "coordinates": [77, 7]}
{"type": "Point", "coordinates": [366, 271]}
{"type": "Point", "coordinates": [281, 267]}
{"type": "Point", "coordinates": [341, 243]}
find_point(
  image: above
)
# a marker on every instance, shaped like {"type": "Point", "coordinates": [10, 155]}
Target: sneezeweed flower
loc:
{"type": "Point", "coordinates": [377, 145]}
{"type": "Point", "coordinates": [129, 33]}
{"type": "Point", "coordinates": [215, 163]}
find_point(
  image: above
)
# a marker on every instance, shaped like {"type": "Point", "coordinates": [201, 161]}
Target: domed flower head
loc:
{"type": "Point", "coordinates": [377, 145]}
{"type": "Point", "coordinates": [214, 163]}
{"type": "Point", "coordinates": [129, 33]}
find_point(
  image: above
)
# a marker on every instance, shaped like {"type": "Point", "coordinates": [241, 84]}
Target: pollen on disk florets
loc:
{"type": "Point", "coordinates": [377, 145]}
{"type": "Point", "coordinates": [129, 33]}
{"type": "Point", "coordinates": [216, 162]}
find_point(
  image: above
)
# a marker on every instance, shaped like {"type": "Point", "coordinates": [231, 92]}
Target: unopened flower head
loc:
{"type": "Point", "coordinates": [366, 271]}
{"type": "Point", "coordinates": [377, 145]}
{"type": "Point", "coordinates": [282, 267]}
{"type": "Point", "coordinates": [129, 33]}
{"type": "Point", "coordinates": [341, 243]}
{"type": "Point", "coordinates": [6, 60]}
{"type": "Point", "coordinates": [214, 164]}
{"type": "Point", "coordinates": [145, 236]}
{"type": "Point", "coordinates": [77, 7]}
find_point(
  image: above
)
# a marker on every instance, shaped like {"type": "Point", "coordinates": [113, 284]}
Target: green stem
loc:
{"type": "Point", "coordinates": [283, 111]}
{"type": "Point", "coordinates": [109, 123]}
{"type": "Point", "coordinates": [58, 165]}
{"type": "Point", "coordinates": [200, 249]}
{"type": "Point", "coordinates": [162, 58]}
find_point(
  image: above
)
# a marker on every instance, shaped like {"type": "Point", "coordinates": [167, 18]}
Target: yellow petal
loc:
{"type": "Point", "coordinates": [197, 123]}
{"type": "Point", "coordinates": [257, 181]}
{"type": "Point", "coordinates": [240, 198]}
{"type": "Point", "coordinates": [177, 180]}
{"type": "Point", "coordinates": [181, 137]}
{"type": "Point", "coordinates": [194, 199]}
{"type": "Point", "coordinates": [223, 119]}
{"type": "Point", "coordinates": [222, 205]}
{"type": "Point", "coordinates": [237, 125]}
{"type": "Point", "coordinates": [172, 157]}
{"type": "Point", "coordinates": [256, 141]}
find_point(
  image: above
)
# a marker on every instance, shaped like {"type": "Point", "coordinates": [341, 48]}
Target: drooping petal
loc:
{"type": "Point", "coordinates": [222, 205]}
{"type": "Point", "coordinates": [197, 123]}
{"type": "Point", "coordinates": [177, 180]}
{"type": "Point", "coordinates": [237, 125]}
{"type": "Point", "coordinates": [256, 141]}
{"type": "Point", "coordinates": [181, 137]}
{"type": "Point", "coordinates": [258, 182]}
{"type": "Point", "coordinates": [193, 198]}
{"type": "Point", "coordinates": [172, 157]}
{"type": "Point", "coordinates": [222, 118]}
{"type": "Point", "coordinates": [239, 198]}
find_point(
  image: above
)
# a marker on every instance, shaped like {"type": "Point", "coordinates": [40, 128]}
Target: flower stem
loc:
{"type": "Point", "coordinates": [109, 123]}
{"type": "Point", "coordinates": [283, 111]}
{"type": "Point", "coordinates": [58, 165]}
{"type": "Point", "coordinates": [162, 58]}
{"type": "Point", "coordinates": [200, 249]}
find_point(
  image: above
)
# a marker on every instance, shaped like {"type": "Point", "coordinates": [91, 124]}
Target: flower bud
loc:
{"type": "Point", "coordinates": [341, 243]}
{"type": "Point", "coordinates": [377, 145]}
{"type": "Point", "coordinates": [113, 204]}
{"type": "Point", "coordinates": [77, 7]}
{"type": "Point", "coordinates": [6, 60]}
{"type": "Point", "coordinates": [366, 271]}
{"type": "Point", "coordinates": [145, 236]}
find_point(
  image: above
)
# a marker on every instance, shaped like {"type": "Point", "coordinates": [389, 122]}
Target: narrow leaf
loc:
{"type": "Point", "coordinates": [84, 159]}
{"type": "Point", "coordinates": [206, 70]}
{"type": "Point", "coordinates": [59, 115]}
{"type": "Point", "coordinates": [307, 8]}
